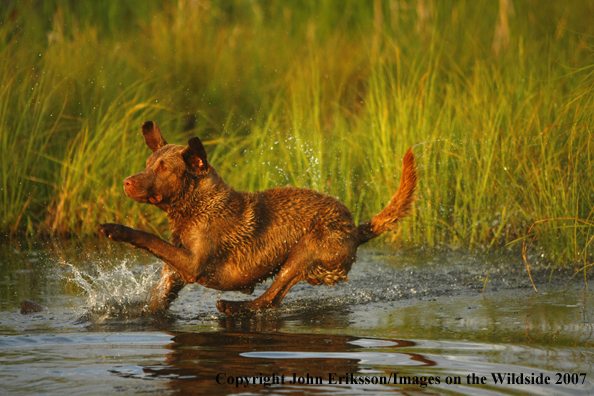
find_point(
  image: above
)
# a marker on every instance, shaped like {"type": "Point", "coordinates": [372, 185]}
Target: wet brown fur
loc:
{"type": "Point", "coordinates": [232, 240]}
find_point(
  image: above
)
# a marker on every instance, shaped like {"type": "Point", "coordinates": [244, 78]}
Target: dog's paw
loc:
{"type": "Point", "coordinates": [233, 307]}
{"type": "Point", "coordinates": [116, 232]}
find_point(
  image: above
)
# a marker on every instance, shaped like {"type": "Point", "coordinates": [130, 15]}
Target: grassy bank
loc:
{"type": "Point", "coordinates": [325, 95]}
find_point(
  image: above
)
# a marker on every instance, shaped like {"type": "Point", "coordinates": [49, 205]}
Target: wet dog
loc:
{"type": "Point", "coordinates": [232, 240]}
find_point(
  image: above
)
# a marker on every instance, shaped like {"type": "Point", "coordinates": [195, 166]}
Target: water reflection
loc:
{"type": "Point", "coordinates": [221, 361]}
{"type": "Point", "coordinates": [297, 317]}
{"type": "Point", "coordinates": [414, 316]}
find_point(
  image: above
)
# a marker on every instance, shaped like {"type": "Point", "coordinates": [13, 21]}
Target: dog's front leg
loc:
{"type": "Point", "coordinates": [166, 290]}
{"type": "Point", "coordinates": [183, 261]}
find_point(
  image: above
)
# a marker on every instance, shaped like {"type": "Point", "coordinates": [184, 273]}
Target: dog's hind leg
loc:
{"type": "Point", "coordinates": [292, 271]}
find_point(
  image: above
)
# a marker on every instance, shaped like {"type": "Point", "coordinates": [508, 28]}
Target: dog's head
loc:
{"type": "Point", "coordinates": [169, 170]}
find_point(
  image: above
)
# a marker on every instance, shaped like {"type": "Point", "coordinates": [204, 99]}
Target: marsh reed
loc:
{"type": "Point", "coordinates": [319, 94]}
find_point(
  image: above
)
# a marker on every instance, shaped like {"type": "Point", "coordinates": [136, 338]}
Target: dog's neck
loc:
{"type": "Point", "coordinates": [199, 201]}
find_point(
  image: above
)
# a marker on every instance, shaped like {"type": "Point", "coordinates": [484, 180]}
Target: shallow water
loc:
{"type": "Point", "coordinates": [416, 317]}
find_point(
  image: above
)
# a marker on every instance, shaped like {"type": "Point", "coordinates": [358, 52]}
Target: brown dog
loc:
{"type": "Point", "coordinates": [232, 240]}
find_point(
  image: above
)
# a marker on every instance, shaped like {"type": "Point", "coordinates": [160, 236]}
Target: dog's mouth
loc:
{"type": "Point", "coordinates": [141, 195]}
{"type": "Point", "coordinates": [143, 198]}
{"type": "Point", "coordinates": [156, 199]}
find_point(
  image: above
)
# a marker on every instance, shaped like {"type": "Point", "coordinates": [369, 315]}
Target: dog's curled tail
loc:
{"type": "Point", "coordinates": [398, 208]}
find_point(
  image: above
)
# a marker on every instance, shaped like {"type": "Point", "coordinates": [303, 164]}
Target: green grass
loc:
{"type": "Point", "coordinates": [320, 94]}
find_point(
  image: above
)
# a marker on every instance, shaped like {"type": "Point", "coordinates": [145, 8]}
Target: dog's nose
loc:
{"type": "Point", "coordinates": [128, 185]}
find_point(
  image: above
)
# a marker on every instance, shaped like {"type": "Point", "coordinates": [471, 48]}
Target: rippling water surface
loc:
{"type": "Point", "coordinates": [411, 322]}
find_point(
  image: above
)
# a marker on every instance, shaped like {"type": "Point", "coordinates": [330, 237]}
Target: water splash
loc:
{"type": "Point", "coordinates": [115, 293]}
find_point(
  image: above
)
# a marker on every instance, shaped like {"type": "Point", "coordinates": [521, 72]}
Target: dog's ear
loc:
{"type": "Point", "coordinates": [152, 136]}
{"type": "Point", "coordinates": [195, 156]}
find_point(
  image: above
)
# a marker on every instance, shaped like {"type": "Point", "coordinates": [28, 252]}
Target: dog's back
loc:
{"type": "Point", "coordinates": [275, 222]}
